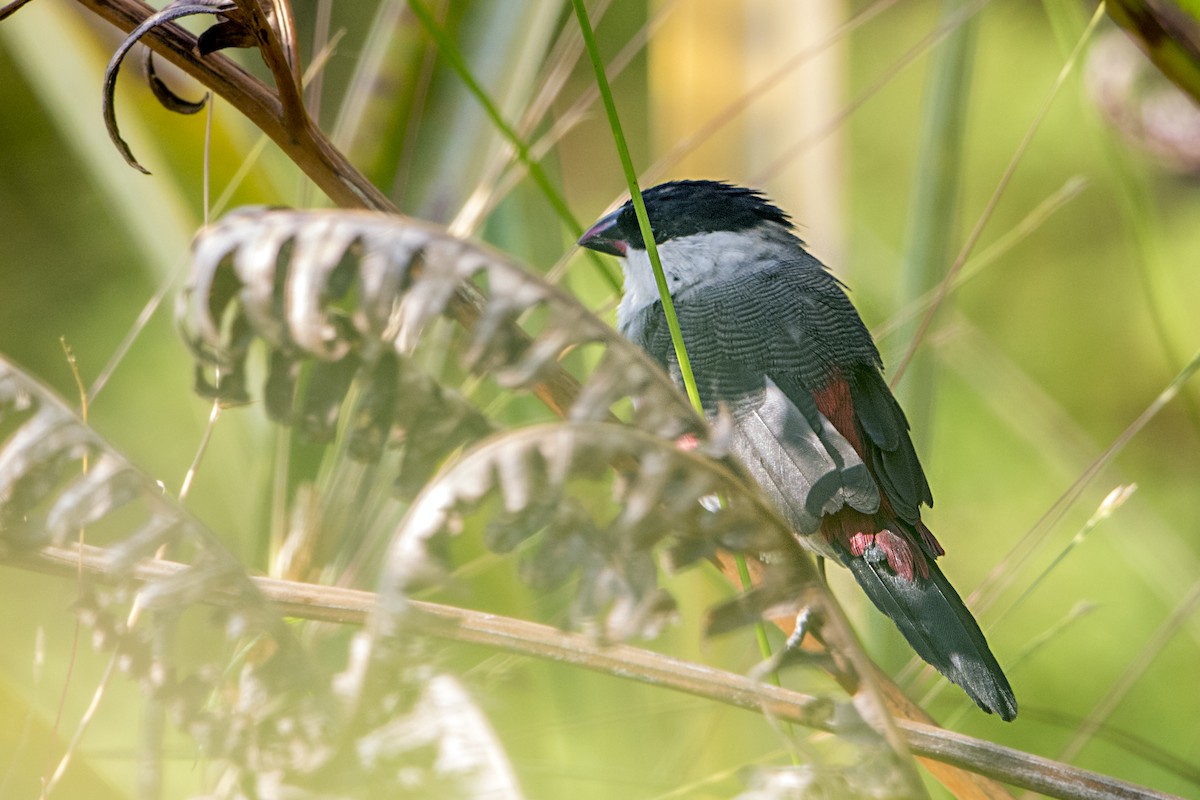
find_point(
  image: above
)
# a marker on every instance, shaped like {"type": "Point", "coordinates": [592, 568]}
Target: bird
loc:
{"type": "Point", "coordinates": [774, 341]}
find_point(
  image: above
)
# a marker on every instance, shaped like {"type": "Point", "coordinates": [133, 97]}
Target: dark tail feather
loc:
{"type": "Point", "coordinates": [939, 627]}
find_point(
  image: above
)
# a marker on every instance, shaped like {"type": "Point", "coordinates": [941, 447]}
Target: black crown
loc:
{"type": "Point", "coordinates": [685, 208]}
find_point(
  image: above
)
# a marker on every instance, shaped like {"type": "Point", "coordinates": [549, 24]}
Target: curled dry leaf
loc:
{"type": "Point", "coordinates": [533, 475]}
{"type": "Point", "coordinates": [57, 476]}
{"type": "Point", "coordinates": [262, 24]}
{"type": "Point", "coordinates": [348, 298]}
{"type": "Point", "coordinates": [165, 95]}
{"type": "Point", "coordinates": [257, 704]}
{"type": "Point", "coordinates": [347, 295]}
{"type": "Point", "coordinates": [172, 12]}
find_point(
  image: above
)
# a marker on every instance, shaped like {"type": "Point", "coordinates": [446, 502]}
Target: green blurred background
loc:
{"type": "Point", "coordinates": [1079, 316]}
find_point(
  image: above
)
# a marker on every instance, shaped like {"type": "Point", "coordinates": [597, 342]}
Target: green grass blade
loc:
{"type": "Point", "coordinates": [664, 293]}
{"type": "Point", "coordinates": [639, 205]}
{"type": "Point", "coordinates": [933, 221]}
{"type": "Point", "coordinates": [456, 61]}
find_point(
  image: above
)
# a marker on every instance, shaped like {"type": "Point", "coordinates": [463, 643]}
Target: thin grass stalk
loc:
{"type": "Point", "coordinates": [1137, 205]}
{"type": "Point", "coordinates": [453, 56]}
{"type": "Point", "coordinates": [943, 286]}
{"type": "Point", "coordinates": [664, 292]}
{"type": "Point", "coordinates": [1166, 564]}
{"type": "Point", "coordinates": [1005, 573]}
{"type": "Point", "coordinates": [509, 174]}
{"type": "Point", "coordinates": [375, 67]}
{"type": "Point", "coordinates": [977, 264]}
{"type": "Point", "coordinates": [639, 205]}
{"type": "Point", "coordinates": [154, 715]}
{"type": "Point", "coordinates": [1133, 673]}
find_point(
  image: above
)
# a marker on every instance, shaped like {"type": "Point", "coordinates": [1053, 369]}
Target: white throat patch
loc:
{"type": "Point", "coordinates": [693, 260]}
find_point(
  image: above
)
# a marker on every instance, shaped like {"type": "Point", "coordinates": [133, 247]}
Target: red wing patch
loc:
{"type": "Point", "coordinates": [836, 403]}
{"type": "Point", "coordinates": [854, 531]}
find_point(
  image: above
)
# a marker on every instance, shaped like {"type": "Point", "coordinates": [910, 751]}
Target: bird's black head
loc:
{"type": "Point", "coordinates": [683, 208]}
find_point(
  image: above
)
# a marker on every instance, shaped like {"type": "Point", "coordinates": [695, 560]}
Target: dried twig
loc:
{"type": "Point", "coordinates": [350, 606]}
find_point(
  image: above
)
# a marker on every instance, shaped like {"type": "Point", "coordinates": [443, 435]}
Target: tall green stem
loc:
{"type": "Point", "coordinates": [639, 205]}
{"type": "Point", "coordinates": [932, 225]}
{"type": "Point", "coordinates": [452, 55]}
{"type": "Point", "coordinates": [664, 293]}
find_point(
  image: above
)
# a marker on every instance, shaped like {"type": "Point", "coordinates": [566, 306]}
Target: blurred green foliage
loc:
{"type": "Point", "coordinates": [1042, 360]}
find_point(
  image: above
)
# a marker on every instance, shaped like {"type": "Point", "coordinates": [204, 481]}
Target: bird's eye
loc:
{"type": "Point", "coordinates": [628, 224]}
{"type": "Point", "coordinates": [629, 218]}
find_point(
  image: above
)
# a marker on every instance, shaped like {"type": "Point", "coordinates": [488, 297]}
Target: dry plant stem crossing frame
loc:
{"type": "Point", "coordinates": [352, 607]}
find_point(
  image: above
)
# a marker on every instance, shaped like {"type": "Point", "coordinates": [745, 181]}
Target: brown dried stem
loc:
{"type": "Point", "coordinates": [350, 606]}
{"type": "Point", "coordinates": [293, 132]}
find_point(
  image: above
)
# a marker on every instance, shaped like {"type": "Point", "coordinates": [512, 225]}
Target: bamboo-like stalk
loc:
{"type": "Point", "coordinates": [933, 220]}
